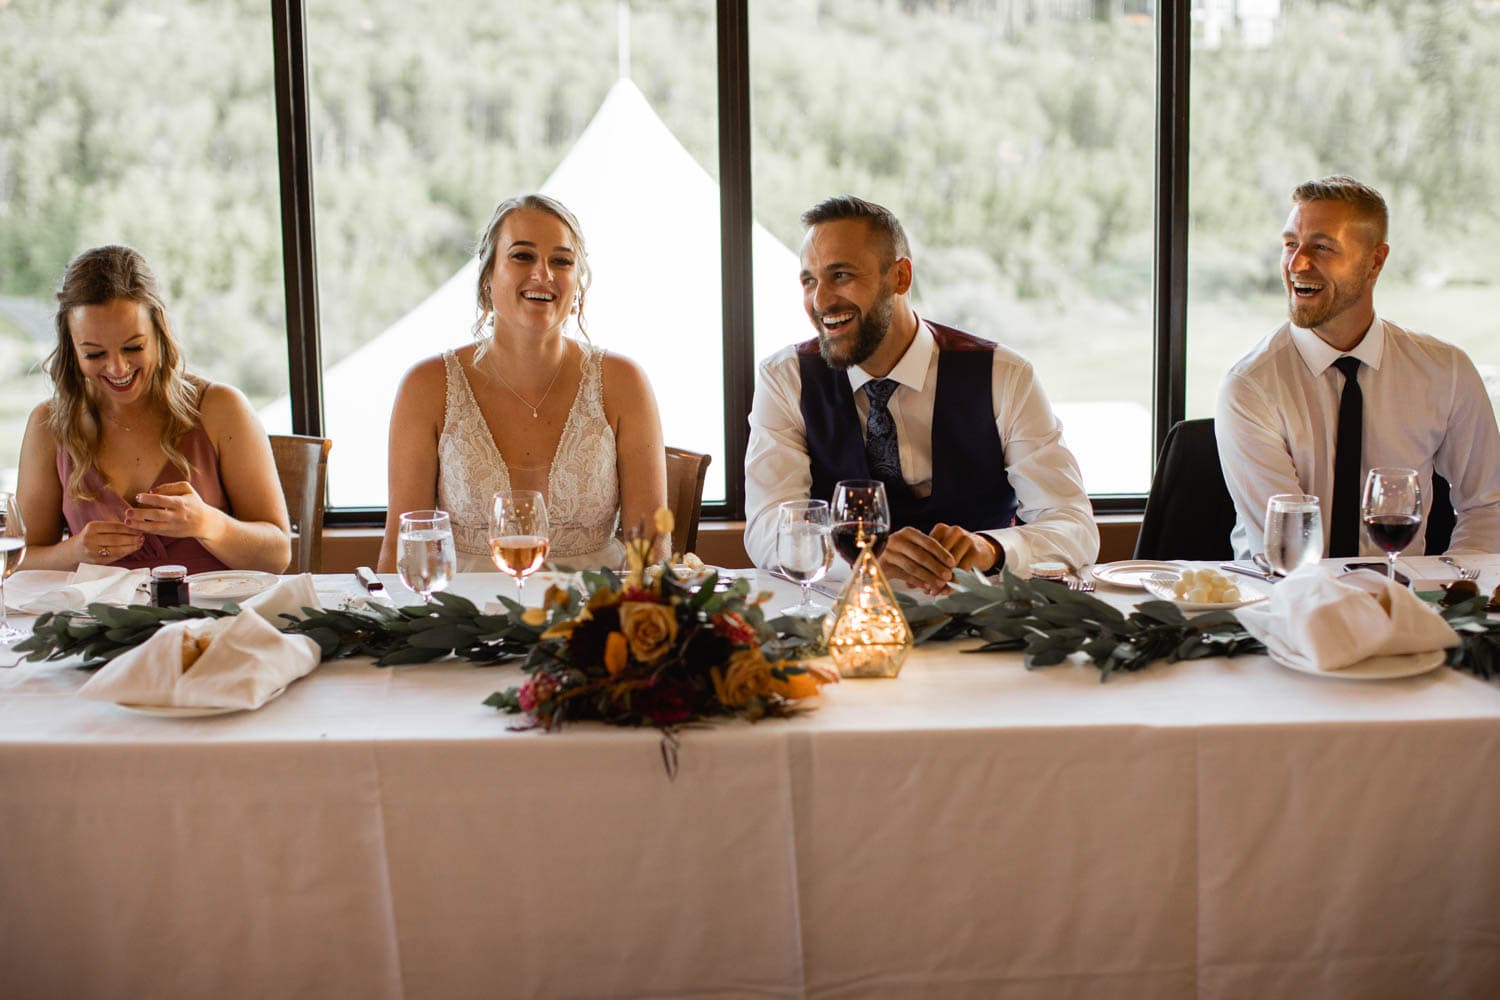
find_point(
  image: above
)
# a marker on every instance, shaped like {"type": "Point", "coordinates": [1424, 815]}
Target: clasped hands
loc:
{"type": "Point", "coordinates": [926, 560]}
{"type": "Point", "coordinates": [172, 509]}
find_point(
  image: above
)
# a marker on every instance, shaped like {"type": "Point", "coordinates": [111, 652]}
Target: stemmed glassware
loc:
{"type": "Point", "coordinates": [804, 549]}
{"type": "Point", "coordinates": [518, 534]}
{"type": "Point", "coordinates": [1294, 531]}
{"type": "Point", "coordinates": [12, 549]}
{"type": "Point", "coordinates": [425, 557]}
{"type": "Point", "coordinates": [1392, 510]}
{"type": "Point", "coordinates": [861, 517]}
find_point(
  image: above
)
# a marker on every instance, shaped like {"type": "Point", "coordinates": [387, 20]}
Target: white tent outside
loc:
{"type": "Point", "coordinates": [650, 215]}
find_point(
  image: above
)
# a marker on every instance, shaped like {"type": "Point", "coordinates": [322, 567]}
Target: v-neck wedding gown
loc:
{"type": "Point", "coordinates": [583, 486]}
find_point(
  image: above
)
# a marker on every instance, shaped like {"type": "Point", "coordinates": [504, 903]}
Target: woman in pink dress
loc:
{"type": "Point", "coordinates": [133, 462]}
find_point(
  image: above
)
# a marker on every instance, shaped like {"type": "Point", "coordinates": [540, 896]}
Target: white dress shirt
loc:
{"type": "Point", "coordinates": [1049, 488]}
{"type": "Point", "coordinates": [1425, 408]}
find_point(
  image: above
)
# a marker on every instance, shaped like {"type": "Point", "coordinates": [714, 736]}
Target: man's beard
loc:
{"type": "Point", "coordinates": [1309, 316]}
{"type": "Point", "coordinates": [867, 336]}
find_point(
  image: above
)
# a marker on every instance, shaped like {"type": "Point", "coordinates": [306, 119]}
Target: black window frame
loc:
{"type": "Point", "coordinates": [1169, 265]}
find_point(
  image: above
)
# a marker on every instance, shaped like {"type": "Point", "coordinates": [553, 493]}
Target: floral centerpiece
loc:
{"type": "Point", "coordinates": [655, 650]}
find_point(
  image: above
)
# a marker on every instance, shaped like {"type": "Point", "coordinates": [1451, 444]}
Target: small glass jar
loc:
{"type": "Point", "coordinates": [169, 586]}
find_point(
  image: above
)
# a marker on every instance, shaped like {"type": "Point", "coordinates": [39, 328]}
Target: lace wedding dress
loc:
{"type": "Point", "coordinates": [583, 487]}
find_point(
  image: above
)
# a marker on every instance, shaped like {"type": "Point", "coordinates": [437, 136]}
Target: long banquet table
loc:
{"type": "Point", "coordinates": [1219, 828]}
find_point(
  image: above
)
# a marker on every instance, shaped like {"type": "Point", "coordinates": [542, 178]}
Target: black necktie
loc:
{"type": "Point", "coordinates": [881, 447]}
{"type": "Point", "coordinates": [1346, 462]}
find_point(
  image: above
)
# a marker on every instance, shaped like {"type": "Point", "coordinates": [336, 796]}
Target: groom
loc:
{"type": "Point", "coordinates": [957, 428]}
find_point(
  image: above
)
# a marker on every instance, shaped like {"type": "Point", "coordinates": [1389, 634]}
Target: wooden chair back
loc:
{"type": "Point", "coordinates": [302, 465]}
{"type": "Point", "coordinates": [685, 474]}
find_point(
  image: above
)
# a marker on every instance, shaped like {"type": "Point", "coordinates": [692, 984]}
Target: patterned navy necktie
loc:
{"type": "Point", "coordinates": [881, 447]}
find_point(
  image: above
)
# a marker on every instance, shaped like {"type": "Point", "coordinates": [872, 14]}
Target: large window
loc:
{"type": "Point", "coordinates": [152, 125]}
{"type": "Point", "coordinates": [424, 116]}
{"type": "Point", "coordinates": [1403, 95]}
{"type": "Point", "coordinates": [1030, 146]}
{"type": "Point", "coordinates": [1014, 141]}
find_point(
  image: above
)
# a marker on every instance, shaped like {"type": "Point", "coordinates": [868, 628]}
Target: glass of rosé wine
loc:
{"type": "Point", "coordinates": [518, 534]}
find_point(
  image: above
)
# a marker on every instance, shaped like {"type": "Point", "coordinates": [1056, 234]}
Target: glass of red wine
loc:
{"type": "Point", "coordinates": [1392, 510]}
{"type": "Point", "coordinates": [861, 517]}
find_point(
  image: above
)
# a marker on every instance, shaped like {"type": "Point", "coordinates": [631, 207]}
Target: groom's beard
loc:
{"type": "Point", "coordinates": [868, 335]}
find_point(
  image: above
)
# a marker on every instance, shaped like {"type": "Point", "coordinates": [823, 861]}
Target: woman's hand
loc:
{"type": "Point", "coordinates": [105, 542]}
{"type": "Point", "coordinates": [175, 510]}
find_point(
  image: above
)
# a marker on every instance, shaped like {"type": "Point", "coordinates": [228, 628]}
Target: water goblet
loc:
{"type": "Point", "coordinates": [12, 550]}
{"type": "Point", "coordinates": [804, 550]}
{"type": "Point", "coordinates": [425, 557]}
{"type": "Point", "coordinates": [1391, 509]}
{"type": "Point", "coordinates": [1294, 531]}
{"type": "Point", "coordinates": [861, 517]}
{"type": "Point", "coordinates": [518, 534]}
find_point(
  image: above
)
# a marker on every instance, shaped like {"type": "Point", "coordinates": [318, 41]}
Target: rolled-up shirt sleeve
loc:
{"type": "Point", "coordinates": [776, 464]}
{"type": "Point", "coordinates": [1050, 495]}
{"type": "Point", "coordinates": [1469, 458]}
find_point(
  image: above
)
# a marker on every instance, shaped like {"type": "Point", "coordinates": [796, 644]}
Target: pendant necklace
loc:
{"type": "Point", "coordinates": [536, 407]}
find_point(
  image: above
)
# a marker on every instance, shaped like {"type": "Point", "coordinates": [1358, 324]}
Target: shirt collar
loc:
{"type": "Point", "coordinates": [911, 370]}
{"type": "Point", "coordinates": [1319, 356]}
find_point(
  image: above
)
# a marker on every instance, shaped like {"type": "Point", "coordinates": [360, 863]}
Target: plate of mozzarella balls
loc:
{"type": "Point", "coordinates": [1203, 590]}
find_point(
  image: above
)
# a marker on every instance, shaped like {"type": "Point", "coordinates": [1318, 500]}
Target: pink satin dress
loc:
{"type": "Point", "coordinates": [155, 550]}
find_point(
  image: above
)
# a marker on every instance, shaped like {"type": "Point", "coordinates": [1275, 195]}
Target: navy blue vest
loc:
{"type": "Point", "coordinates": [969, 484]}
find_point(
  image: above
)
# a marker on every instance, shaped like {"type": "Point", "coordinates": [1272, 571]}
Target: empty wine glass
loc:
{"type": "Point", "coordinates": [425, 557]}
{"type": "Point", "coordinates": [1392, 511]}
{"type": "Point", "coordinates": [1294, 531]}
{"type": "Point", "coordinates": [804, 549]}
{"type": "Point", "coordinates": [861, 517]}
{"type": "Point", "coordinates": [12, 549]}
{"type": "Point", "coordinates": [518, 534]}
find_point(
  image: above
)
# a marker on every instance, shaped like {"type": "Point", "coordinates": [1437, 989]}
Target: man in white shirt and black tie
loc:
{"type": "Point", "coordinates": [1337, 391]}
{"type": "Point", "coordinates": [956, 427]}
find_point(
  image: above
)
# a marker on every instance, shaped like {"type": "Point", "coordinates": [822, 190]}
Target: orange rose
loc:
{"type": "Point", "coordinates": [746, 675]}
{"type": "Point", "coordinates": [650, 628]}
{"type": "Point", "coordinates": [616, 653]}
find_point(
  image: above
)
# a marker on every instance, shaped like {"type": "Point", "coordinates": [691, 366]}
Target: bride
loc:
{"type": "Point", "coordinates": [526, 407]}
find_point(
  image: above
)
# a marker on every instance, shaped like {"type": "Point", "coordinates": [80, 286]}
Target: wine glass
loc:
{"type": "Point", "coordinates": [804, 549]}
{"type": "Point", "coordinates": [518, 534]}
{"type": "Point", "coordinates": [1392, 510]}
{"type": "Point", "coordinates": [861, 517]}
{"type": "Point", "coordinates": [425, 558]}
{"type": "Point", "coordinates": [1294, 531]}
{"type": "Point", "coordinates": [12, 550]}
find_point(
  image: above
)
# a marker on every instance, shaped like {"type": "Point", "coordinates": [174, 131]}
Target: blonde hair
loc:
{"type": "Point", "coordinates": [487, 249]}
{"type": "Point", "coordinates": [1367, 202]}
{"type": "Point", "coordinates": [95, 277]}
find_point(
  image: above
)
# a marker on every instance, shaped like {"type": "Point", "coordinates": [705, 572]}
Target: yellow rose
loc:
{"type": "Point", "coordinates": [650, 628]}
{"type": "Point", "coordinates": [534, 616]}
{"type": "Point", "coordinates": [664, 522]}
{"type": "Point", "coordinates": [615, 653]}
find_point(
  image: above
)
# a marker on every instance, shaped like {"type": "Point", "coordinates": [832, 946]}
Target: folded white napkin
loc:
{"type": "Point", "coordinates": [290, 595]}
{"type": "Point", "coordinates": [245, 664]}
{"type": "Point", "coordinates": [34, 591]}
{"type": "Point", "coordinates": [1316, 620]}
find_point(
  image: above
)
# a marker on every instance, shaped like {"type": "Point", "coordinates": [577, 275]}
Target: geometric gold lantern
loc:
{"type": "Point", "coordinates": [869, 636]}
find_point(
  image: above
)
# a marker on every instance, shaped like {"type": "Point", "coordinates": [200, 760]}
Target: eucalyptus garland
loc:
{"type": "Point", "coordinates": [1043, 620]}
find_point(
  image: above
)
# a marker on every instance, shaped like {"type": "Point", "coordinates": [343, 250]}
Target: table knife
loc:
{"type": "Point", "coordinates": [1249, 571]}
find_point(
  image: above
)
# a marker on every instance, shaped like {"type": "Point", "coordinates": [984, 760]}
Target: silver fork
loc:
{"type": "Point", "coordinates": [1463, 574]}
{"type": "Point", "coordinates": [1080, 584]}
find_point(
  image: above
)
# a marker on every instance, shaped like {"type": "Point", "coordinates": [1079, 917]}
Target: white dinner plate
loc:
{"type": "Point", "coordinates": [194, 711]}
{"type": "Point", "coordinates": [229, 584]}
{"type": "Point", "coordinates": [1377, 668]}
{"type": "Point", "coordinates": [1131, 573]}
{"type": "Point", "coordinates": [1162, 588]}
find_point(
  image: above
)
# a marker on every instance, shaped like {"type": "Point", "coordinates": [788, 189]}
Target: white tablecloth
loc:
{"type": "Point", "coordinates": [1221, 828]}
